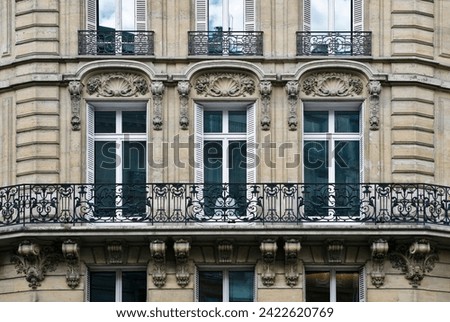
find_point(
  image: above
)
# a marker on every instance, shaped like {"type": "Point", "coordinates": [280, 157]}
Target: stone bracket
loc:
{"type": "Point", "coordinates": [379, 249]}
{"type": "Point", "coordinates": [75, 89]}
{"type": "Point", "coordinates": [183, 88]}
{"type": "Point", "coordinates": [265, 89]}
{"type": "Point", "coordinates": [374, 100]}
{"type": "Point", "coordinates": [291, 250]}
{"type": "Point", "coordinates": [158, 253]}
{"type": "Point", "coordinates": [71, 253]}
{"type": "Point", "coordinates": [268, 249]}
{"type": "Point", "coordinates": [292, 91]}
{"type": "Point", "coordinates": [182, 248]}
{"type": "Point", "coordinates": [157, 88]}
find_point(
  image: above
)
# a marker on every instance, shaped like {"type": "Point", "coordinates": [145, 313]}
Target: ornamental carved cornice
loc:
{"type": "Point", "coordinates": [35, 261]}
{"type": "Point", "coordinates": [117, 84]}
{"type": "Point", "coordinates": [225, 85]}
{"type": "Point", "coordinates": [414, 260]}
{"type": "Point", "coordinates": [332, 84]}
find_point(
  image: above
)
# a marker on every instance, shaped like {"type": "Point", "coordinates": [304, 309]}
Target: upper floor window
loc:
{"type": "Point", "coordinates": [109, 15]}
{"type": "Point", "coordinates": [333, 15]}
{"type": "Point", "coordinates": [225, 15]}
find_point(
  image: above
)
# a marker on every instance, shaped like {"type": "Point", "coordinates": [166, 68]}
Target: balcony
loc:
{"type": "Point", "coordinates": [115, 42]}
{"type": "Point", "coordinates": [292, 203]}
{"type": "Point", "coordinates": [334, 43]}
{"type": "Point", "coordinates": [229, 43]}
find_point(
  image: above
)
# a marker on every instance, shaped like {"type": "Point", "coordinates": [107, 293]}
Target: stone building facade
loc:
{"type": "Point", "coordinates": [233, 150]}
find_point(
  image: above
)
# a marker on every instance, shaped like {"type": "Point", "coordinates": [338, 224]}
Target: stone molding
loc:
{"type": "Point", "coordinates": [268, 249]}
{"type": "Point", "coordinates": [414, 260]}
{"type": "Point", "coordinates": [225, 85]}
{"type": "Point", "coordinates": [292, 91]}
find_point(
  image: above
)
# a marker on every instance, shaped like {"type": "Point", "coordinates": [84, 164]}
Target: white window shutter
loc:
{"type": "Point", "coordinates": [141, 15]}
{"type": "Point", "coordinates": [251, 145]}
{"type": "Point", "coordinates": [198, 145]}
{"type": "Point", "coordinates": [90, 145]}
{"type": "Point", "coordinates": [201, 15]}
{"type": "Point", "coordinates": [249, 15]}
{"type": "Point", "coordinates": [362, 284]}
{"type": "Point", "coordinates": [91, 14]}
{"type": "Point", "coordinates": [358, 14]}
{"type": "Point", "coordinates": [307, 15]}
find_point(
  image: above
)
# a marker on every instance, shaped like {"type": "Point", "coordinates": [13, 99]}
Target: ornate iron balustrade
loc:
{"type": "Point", "coordinates": [225, 43]}
{"type": "Point", "coordinates": [115, 42]}
{"type": "Point", "coordinates": [334, 43]}
{"type": "Point", "coordinates": [185, 203]}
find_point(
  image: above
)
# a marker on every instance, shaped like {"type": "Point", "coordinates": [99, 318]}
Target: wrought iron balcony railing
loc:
{"type": "Point", "coordinates": [115, 42]}
{"type": "Point", "coordinates": [295, 203]}
{"type": "Point", "coordinates": [225, 43]}
{"type": "Point", "coordinates": [334, 43]}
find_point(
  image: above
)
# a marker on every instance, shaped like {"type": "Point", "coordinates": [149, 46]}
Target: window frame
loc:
{"type": "Point", "coordinates": [333, 269]}
{"type": "Point", "coordinates": [118, 280]}
{"type": "Point", "coordinates": [225, 280]}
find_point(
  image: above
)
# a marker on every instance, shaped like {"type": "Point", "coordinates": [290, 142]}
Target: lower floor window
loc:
{"type": "Point", "coordinates": [334, 285]}
{"type": "Point", "coordinates": [226, 285]}
{"type": "Point", "coordinates": [117, 286]}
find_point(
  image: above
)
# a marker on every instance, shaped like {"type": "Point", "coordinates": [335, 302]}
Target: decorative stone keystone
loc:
{"type": "Point", "coordinates": [291, 250]}
{"type": "Point", "coordinates": [225, 251]}
{"type": "Point", "coordinates": [184, 87]}
{"type": "Point", "coordinates": [182, 248]}
{"type": "Point", "coordinates": [415, 260]}
{"type": "Point", "coordinates": [158, 253]}
{"type": "Point", "coordinates": [35, 262]}
{"type": "Point", "coordinates": [335, 251]}
{"type": "Point", "coordinates": [379, 249]}
{"type": "Point", "coordinates": [268, 250]}
{"type": "Point", "coordinates": [71, 253]}
{"type": "Point", "coordinates": [115, 252]}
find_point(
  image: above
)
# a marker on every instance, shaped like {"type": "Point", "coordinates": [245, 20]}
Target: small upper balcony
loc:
{"type": "Point", "coordinates": [334, 43]}
{"type": "Point", "coordinates": [116, 42]}
{"type": "Point", "coordinates": [186, 203]}
{"type": "Point", "coordinates": [225, 43]}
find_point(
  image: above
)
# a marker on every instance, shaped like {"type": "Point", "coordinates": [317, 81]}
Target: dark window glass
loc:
{"type": "Point", "coordinates": [315, 121]}
{"type": "Point", "coordinates": [241, 286]}
{"type": "Point", "coordinates": [102, 286]}
{"type": "Point", "coordinates": [213, 161]}
{"type": "Point", "coordinates": [210, 286]}
{"type": "Point", "coordinates": [212, 121]}
{"type": "Point", "coordinates": [134, 122]}
{"type": "Point", "coordinates": [134, 286]}
{"type": "Point", "coordinates": [237, 121]}
{"type": "Point", "coordinates": [317, 286]}
{"type": "Point", "coordinates": [346, 122]}
{"type": "Point", "coordinates": [105, 162]}
{"type": "Point", "coordinates": [105, 122]}
{"type": "Point", "coordinates": [347, 289]}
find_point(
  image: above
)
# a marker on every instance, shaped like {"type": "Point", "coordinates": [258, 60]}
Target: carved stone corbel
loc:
{"type": "Point", "coordinates": [415, 260]}
{"type": "Point", "coordinates": [379, 249]}
{"type": "Point", "coordinates": [265, 89]}
{"type": "Point", "coordinates": [183, 88]}
{"type": "Point", "coordinates": [35, 261]}
{"type": "Point", "coordinates": [268, 250]}
{"type": "Point", "coordinates": [225, 251]}
{"type": "Point", "coordinates": [182, 248]}
{"type": "Point", "coordinates": [71, 253]}
{"type": "Point", "coordinates": [291, 250]}
{"type": "Point", "coordinates": [75, 88]}
{"type": "Point", "coordinates": [292, 90]}
{"type": "Point", "coordinates": [158, 253]}
{"type": "Point", "coordinates": [374, 100]}
{"type": "Point", "coordinates": [157, 92]}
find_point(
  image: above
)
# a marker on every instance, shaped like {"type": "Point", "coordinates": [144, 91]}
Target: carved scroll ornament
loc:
{"type": "Point", "coordinates": [225, 85]}
{"type": "Point", "coordinates": [117, 85]}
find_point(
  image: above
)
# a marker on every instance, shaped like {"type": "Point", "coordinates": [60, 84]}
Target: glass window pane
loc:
{"type": "Point", "coordinates": [210, 286]}
{"type": "Point", "coordinates": [236, 15]}
{"type": "Point", "coordinates": [347, 287]}
{"type": "Point", "coordinates": [215, 15]}
{"type": "Point", "coordinates": [315, 160]}
{"type": "Point", "coordinates": [212, 121]}
{"type": "Point", "coordinates": [241, 286]}
{"type": "Point", "coordinates": [237, 161]}
{"type": "Point", "coordinates": [133, 162]}
{"type": "Point", "coordinates": [213, 161]}
{"type": "Point", "coordinates": [102, 286]}
{"type": "Point", "coordinates": [105, 122]}
{"type": "Point", "coordinates": [237, 121]}
{"type": "Point", "coordinates": [128, 15]}
{"type": "Point", "coordinates": [107, 13]}
{"type": "Point", "coordinates": [317, 286]}
{"type": "Point", "coordinates": [315, 121]}
{"type": "Point", "coordinates": [346, 157]}
{"type": "Point", "coordinates": [134, 286]}
{"type": "Point", "coordinates": [342, 11]}
{"type": "Point", "coordinates": [105, 162]}
{"type": "Point", "coordinates": [134, 122]}
{"type": "Point", "coordinates": [347, 121]}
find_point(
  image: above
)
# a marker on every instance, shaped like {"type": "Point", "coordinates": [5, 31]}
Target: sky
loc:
{"type": "Point", "coordinates": [107, 9]}
{"type": "Point", "coordinates": [319, 15]}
